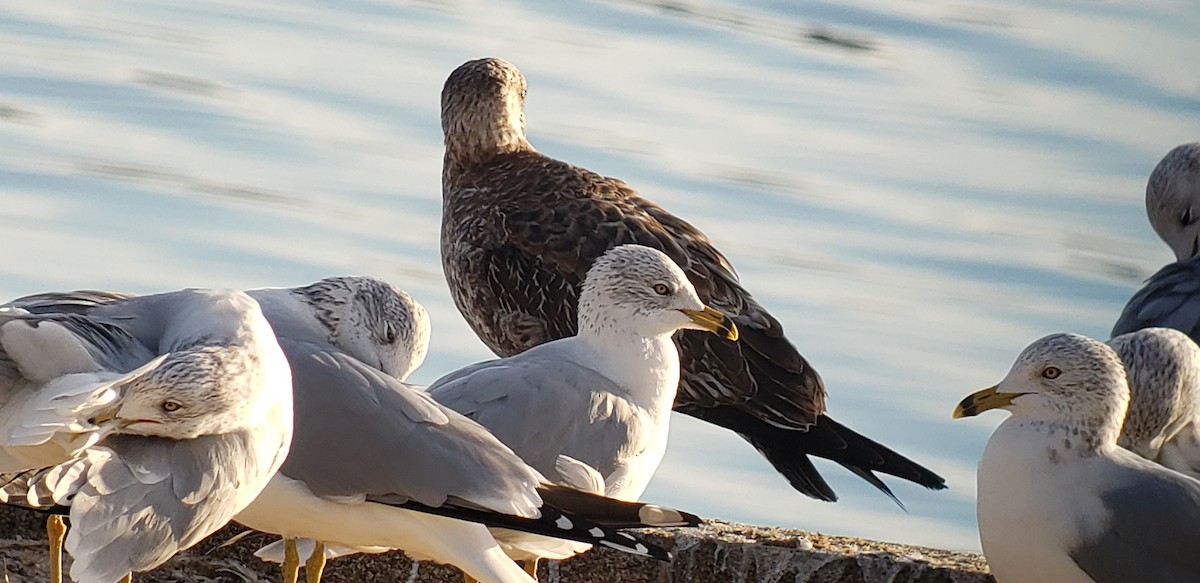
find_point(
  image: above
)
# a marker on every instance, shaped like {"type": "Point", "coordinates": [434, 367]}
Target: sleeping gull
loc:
{"type": "Point", "coordinates": [1171, 297]}
{"type": "Point", "coordinates": [602, 397]}
{"type": "Point", "coordinates": [1058, 500]}
{"type": "Point", "coordinates": [376, 464]}
{"type": "Point", "coordinates": [1163, 421]}
{"type": "Point", "coordinates": [520, 230]}
{"type": "Point", "coordinates": [179, 443]}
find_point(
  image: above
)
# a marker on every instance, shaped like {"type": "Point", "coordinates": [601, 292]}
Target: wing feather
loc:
{"type": "Point", "coordinates": [364, 433]}
{"type": "Point", "coordinates": [1151, 533]}
{"type": "Point", "coordinates": [518, 285]}
{"type": "Point", "coordinates": [1169, 299]}
{"type": "Point", "coordinates": [545, 407]}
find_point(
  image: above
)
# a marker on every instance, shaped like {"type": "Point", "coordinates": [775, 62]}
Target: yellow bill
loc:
{"type": "Point", "coordinates": [714, 321]}
{"type": "Point", "coordinates": [981, 401]}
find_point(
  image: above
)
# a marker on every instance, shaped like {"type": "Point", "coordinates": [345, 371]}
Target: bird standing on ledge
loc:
{"type": "Point", "coordinates": [520, 230]}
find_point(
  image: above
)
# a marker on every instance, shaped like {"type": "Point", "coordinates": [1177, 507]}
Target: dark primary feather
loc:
{"type": "Point", "coordinates": [77, 302]}
{"type": "Point", "coordinates": [552, 522]}
{"type": "Point", "coordinates": [788, 451]}
{"type": "Point", "coordinates": [614, 513]}
{"type": "Point", "coordinates": [518, 235]}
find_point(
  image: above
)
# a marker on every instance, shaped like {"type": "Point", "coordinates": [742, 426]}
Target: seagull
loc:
{"type": "Point", "coordinates": [1058, 500]}
{"type": "Point", "coordinates": [519, 232]}
{"type": "Point", "coordinates": [161, 417]}
{"type": "Point", "coordinates": [601, 398]}
{"type": "Point", "coordinates": [1163, 421]}
{"type": "Point", "coordinates": [377, 464]}
{"type": "Point", "coordinates": [1171, 297]}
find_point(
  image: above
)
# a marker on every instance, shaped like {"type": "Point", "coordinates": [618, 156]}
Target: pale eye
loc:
{"type": "Point", "coordinates": [661, 289]}
{"type": "Point", "coordinates": [171, 406]}
{"type": "Point", "coordinates": [1051, 372]}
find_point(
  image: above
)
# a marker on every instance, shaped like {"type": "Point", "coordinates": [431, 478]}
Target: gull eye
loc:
{"type": "Point", "coordinates": [171, 406]}
{"type": "Point", "coordinates": [389, 333]}
{"type": "Point", "coordinates": [661, 289]}
{"type": "Point", "coordinates": [1187, 218]}
{"type": "Point", "coordinates": [1051, 372]}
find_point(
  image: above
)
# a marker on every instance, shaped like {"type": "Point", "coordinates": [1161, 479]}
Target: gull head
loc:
{"type": "Point", "coordinates": [1173, 200]}
{"type": "Point", "coordinates": [483, 111]}
{"type": "Point", "coordinates": [372, 321]}
{"type": "Point", "coordinates": [1063, 380]}
{"type": "Point", "coordinates": [639, 289]}
{"type": "Point", "coordinates": [1163, 367]}
{"type": "Point", "coordinates": [186, 394]}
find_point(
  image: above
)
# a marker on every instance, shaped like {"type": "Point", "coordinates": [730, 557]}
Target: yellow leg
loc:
{"type": "Point", "coordinates": [56, 529]}
{"type": "Point", "coordinates": [531, 568]}
{"type": "Point", "coordinates": [469, 579]}
{"type": "Point", "coordinates": [128, 578]}
{"type": "Point", "coordinates": [315, 563]}
{"type": "Point", "coordinates": [291, 561]}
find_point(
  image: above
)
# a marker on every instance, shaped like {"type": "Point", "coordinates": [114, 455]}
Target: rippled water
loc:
{"type": "Point", "coordinates": [916, 189]}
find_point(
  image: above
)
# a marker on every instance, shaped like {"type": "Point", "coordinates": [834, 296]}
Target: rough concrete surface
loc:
{"type": "Point", "coordinates": [716, 553]}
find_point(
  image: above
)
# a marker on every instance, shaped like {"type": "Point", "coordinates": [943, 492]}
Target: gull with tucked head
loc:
{"type": "Point", "coordinates": [1058, 500]}
{"type": "Point", "coordinates": [1171, 297]}
{"type": "Point", "coordinates": [367, 318]}
{"type": "Point", "coordinates": [192, 415]}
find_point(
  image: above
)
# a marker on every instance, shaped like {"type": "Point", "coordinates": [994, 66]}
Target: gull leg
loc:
{"type": "Point", "coordinates": [56, 529]}
{"type": "Point", "coordinates": [531, 567]}
{"type": "Point", "coordinates": [291, 560]}
{"type": "Point", "coordinates": [315, 563]}
{"type": "Point", "coordinates": [469, 579]}
{"type": "Point", "coordinates": [128, 578]}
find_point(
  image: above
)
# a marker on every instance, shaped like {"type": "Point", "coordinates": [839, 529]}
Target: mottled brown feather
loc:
{"type": "Point", "coordinates": [520, 230]}
{"type": "Point", "coordinates": [519, 284]}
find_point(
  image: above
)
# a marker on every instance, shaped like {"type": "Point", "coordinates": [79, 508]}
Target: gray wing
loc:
{"type": "Point", "coordinates": [31, 350]}
{"type": "Point", "coordinates": [150, 320]}
{"type": "Point", "coordinates": [153, 498]}
{"type": "Point", "coordinates": [360, 432]}
{"type": "Point", "coordinates": [1169, 299]}
{"type": "Point", "coordinates": [543, 407]}
{"type": "Point", "coordinates": [1153, 531]}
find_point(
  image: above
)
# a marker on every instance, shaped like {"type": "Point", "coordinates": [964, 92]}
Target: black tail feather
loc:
{"type": "Point", "coordinates": [788, 452]}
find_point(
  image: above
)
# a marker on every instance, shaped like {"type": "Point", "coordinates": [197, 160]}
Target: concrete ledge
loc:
{"type": "Point", "coordinates": [719, 552]}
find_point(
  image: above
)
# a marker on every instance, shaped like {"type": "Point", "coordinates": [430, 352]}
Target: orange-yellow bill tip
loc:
{"type": "Point", "coordinates": [981, 401]}
{"type": "Point", "coordinates": [714, 321]}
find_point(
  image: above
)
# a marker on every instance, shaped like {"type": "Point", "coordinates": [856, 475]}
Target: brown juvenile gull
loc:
{"type": "Point", "coordinates": [520, 230]}
{"type": "Point", "coordinates": [1171, 297]}
{"type": "Point", "coordinates": [192, 417]}
{"type": "Point", "coordinates": [1059, 501]}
